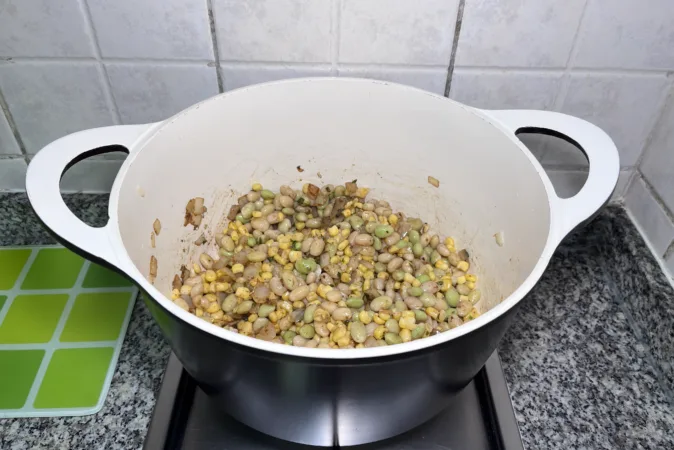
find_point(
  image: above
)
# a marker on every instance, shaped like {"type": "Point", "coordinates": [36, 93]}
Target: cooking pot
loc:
{"type": "Point", "coordinates": [390, 138]}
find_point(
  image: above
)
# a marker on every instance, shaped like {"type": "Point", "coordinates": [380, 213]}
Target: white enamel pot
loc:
{"type": "Point", "coordinates": [388, 137]}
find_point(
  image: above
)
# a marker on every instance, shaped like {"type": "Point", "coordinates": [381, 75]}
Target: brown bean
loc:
{"type": "Point", "coordinates": [317, 247]}
{"type": "Point", "coordinates": [394, 264]}
{"type": "Point", "coordinates": [306, 244]}
{"type": "Point", "coordinates": [443, 250]}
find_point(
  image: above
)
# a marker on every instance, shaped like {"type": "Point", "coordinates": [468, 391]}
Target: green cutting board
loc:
{"type": "Point", "coordinates": [62, 325]}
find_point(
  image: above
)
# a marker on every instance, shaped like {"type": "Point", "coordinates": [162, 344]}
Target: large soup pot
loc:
{"type": "Point", "coordinates": [388, 137]}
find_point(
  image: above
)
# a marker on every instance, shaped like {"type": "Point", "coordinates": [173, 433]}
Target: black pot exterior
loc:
{"type": "Point", "coordinates": [329, 402]}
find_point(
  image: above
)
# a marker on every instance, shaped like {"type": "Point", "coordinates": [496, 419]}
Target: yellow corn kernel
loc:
{"type": "Point", "coordinates": [396, 285]}
{"type": "Point", "coordinates": [470, 285]}
{"type": "Point", "coordinates": [441, 264]}
{"type": "Point", "coordinates": [347, 212]}
{"type": "Point", "coordinates": [197, 268]}
{"type": "Point", "coordinates": [300, 225]}
{"type": "Point", "coordinates": [217, 315]}
{"type": "Point", "coordinates": [384, 316]}
{"type": "Point", "coordinates": [407, 313]}
{"type": "Point", "coordinates": [272, 251]}
{"type": "Point", "coordinates": [416, 283]}
{"type": "Point", "coordinates": [342, 245]}
{"type": "Point", "coordinates": [364, 317]}
{"type": "Point", "coordinates": [407, 323]}
{"type": "Point", "coordinates": [213, 307]}
{"type": "Point", "coordinates": [463, 297]}
{"type": "Point", "coordinates": [348, 252]}
{"type": "Point", "coordinates": [294, 255]}
{"type": "Point", "coordinates": [284, 245]}
{"type": "Point", "coordinates": [298, 304]}
{"type": "Point", "coordinates": [257, 187]}
{"type": "Point", "coordinates": [185, 290]}
{"type": "Point", "coordinates": [366, 284]}
{"type": "Point", "coordinates": [362, 192]}
{"type": "Point", "coordinates": [222, 287]}
{"type": "Point", "coordinates": [384, 276]}
{"type": "Point", "coordinates": [405, 335]}
{"type": "Point", "coordinates": [243, 293]}
{"type": "Point", "coordinates": [432, 312]}
{"type": "Point", "coordinates": [245, 328]}
{"type": "Point", "coordinates": [252, 318]}
{"type": "Point", "coordinates": [331, 326]}
{"type": "Point", "coordinates": [210, 276]}
{"type": "Point", "coordinates": [335, 259]}
{"type": "Point", "coordinates": [266, 267]}
{"type": "Point", "coordinates": [238, 248]}
{"type": "Point", "coordinates": [431, 275]}
{"type": "Point", "coordinates": [460, 280]}
{"type": "Point", "coordinates": [358, 205]}
{"type": "Point", "coordinates": [279, 259]}
{"type": "Point", "coordinates": [449, 242]}
{"type": "Point", "coordinates": [393, 219]}
{"type": "Point", "coordinates": [378, 320]}
{"type": "Point", "coordinates": [442, 316]}
{"type": "Point", "coordinates": [199, 312]}
{"type": "Point", "coordinates": [472, 278]}
{"type": "Point", "coordinates": [409, 278]}
{"type": "Point", "coordinates": [312, 296]}
{"type": "Point", "coordinates": [253, 282]}
{"type": "Point", "coordinates": [273, 317]}
{"type": "Point", "coordinates": [175, 294]}
{"type": "Point", "coordinates": [463, 266]}
{"type": "Point", "coordinates": [345, 277]}
{"type": "Point", "coordinates": [237, 268]}
{"type": "Point", "coordinates": [323, 290]}
{"type": "Point", "coordinates": [379, 332]}
{"type": "Point", "coordinates": [338, 333]}
{"type": "Point", "coordinates": [235, 236]}
{"type": "Point", "coordinates": [266, 276]}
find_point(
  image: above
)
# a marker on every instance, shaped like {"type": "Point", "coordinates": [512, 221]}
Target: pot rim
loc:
{"type": "Point", "coordinates": [484, 319]}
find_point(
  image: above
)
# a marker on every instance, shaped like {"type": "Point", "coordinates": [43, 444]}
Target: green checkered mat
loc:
{"type": "Point", "coordinates": [62, 324]}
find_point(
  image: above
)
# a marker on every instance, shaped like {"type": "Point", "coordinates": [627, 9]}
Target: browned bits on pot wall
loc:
{"type": "Point", "coordinates": [153, 269]}
{"type": "Point", "coordinates": [156, 226]}
{"type": "Point", "coordinates": [326, 267]}
{"type": "Point", "coordinates": [433, 181]}
{"type": "Point", "coordinates": [194, 212]}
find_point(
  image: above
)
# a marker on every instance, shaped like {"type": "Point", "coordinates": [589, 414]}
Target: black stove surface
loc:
{"type": "Point", "coordinates": [480, 418]}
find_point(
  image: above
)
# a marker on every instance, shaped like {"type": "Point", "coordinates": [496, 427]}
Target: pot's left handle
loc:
{"type": "Point", "coordinates": [601, 152]}
{"type": "Point", "coordinates": [43, 186]}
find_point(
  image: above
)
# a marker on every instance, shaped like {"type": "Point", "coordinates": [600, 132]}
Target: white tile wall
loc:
{"type": "Point", "coordinates": [51, 99]}
{"type": "Point", "coordinates": [12, 174]}
{"type": "Point", "coordinates": [518, 33]}
{"type": "Point", "coordinates": [432, 80]}
{"type": "Point", "coordinates": [236, 76]}
{"type": "Point", "coordinates": [171, 29]}
{"type": "Point", "coordinates": [151, 92]}
{"type": "Point", "coordinates": [628, 34]}
{"type": "Point", "coordinates": [43, 28]}
{"type": "Point", "coordinates": [649, 215]}
{"type": "Point", "coordinates": [397, 31]}
{"type": "Point", "coordinates": [8, 145]}
{"type": "Point", "coordinates": [625, 106]}
{"type": "Point", "coordinates": [273, 30]}
{"type": "Point", "coordinates": [505, 89]}
{"type": "Point", "coordinates": [658, 163]}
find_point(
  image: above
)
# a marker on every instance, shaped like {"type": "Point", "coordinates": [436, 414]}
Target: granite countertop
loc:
{"type": "Point", "coordinates": [584, 360]}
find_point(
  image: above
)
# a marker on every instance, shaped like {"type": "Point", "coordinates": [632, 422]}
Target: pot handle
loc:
{"type": "Point", "coordinates": [43, 186]}
{"type": "Point", "coordinates": [600, 150]}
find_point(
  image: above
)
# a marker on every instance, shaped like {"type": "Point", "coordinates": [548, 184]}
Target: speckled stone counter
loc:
{"type": "Point", "coordinates": [586, 361]}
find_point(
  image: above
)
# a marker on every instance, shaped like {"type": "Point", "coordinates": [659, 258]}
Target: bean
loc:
{"type": "Point", "coordinates": [392, 239]}
{"type": "Point", "coordinates": [354, 302]}
{"type": "Point", "coordinates": [420, 316]}
{"type": "Point", "coordinates": [314, 223]}
{"type": "Point", "coordinates": [452, 297]}
{"type": "Point", "coordinates": [299, 341]}
{"type": "Point", "coordinates": [413, 236]}
{"type": "Point", "coordinates": [455, 321]}
{"type": "Point", "coordinates": [298, 293]}
{"type": "Point", "coordinates": [427, 299]}
{"type": "Point", "coordinates": [435, 240]}
{"type": "Point", "coordinates": [358, 332]}
{"type": "Point", "coordinates": [259, 324]}
{"type": "Point", "coordinates": [435, 256]}
{"type": "Point", "coordinates": [256, 256]}
{"type": "Point", "coordinates": [398, 275]}
{"type": "Point", "coordinates": [463, 308]}
{"type": "Point", "coordinates": [363, 240]}
{"type": "Point", "coordinates": [277, 286]}
{"type": "Point", "coordinates": [383, 231]}
{"type": "Point", "coordinates": [324, 261]}
{"type": "Point", "coordinates": [415, 291]}
{"type": "Point", "coordinates": [305, 265]}
{"type": "Point", "coordinates": [463, 289]}
{"type": "Point", "coordinates": [306, 245]}
{"type": "Point", "coordinates": [334, 295]}
{"type": "Point", "coordinates": [382, 302]}
{"type": "Point", "coordinates": [317, 247]}
{"type": "Point", "coordinates": [385, 258]}
{"type": "Point", "coordinates": [392, 326]}
{"type": "Point", "coordinates": [311, 279]}
{"type": "Point", "coordinates": [440, 304]}
{"type": "Point", "coordinates": [286, 201]}
{"type": "Point", "coordinates": [417, 249]}
{"type": "Point", "coordinates": [301, 217]}
{"type": "Point", "coordinates": [377, 244]}
{"type": "Point", "coordinates": [443, 250]}
{"type": "Point", "coordinates": [322, 329]}
{"type": "Point", "coordinates": [244, 307]}
{"type": "Point", "coordinates": [288, 336]}
{"type": "Point", "coordinates": [264, 310]}
{"type": "Point", "coordinates": [266, 210]}
{"type": "Point", "coordinates": [430, 286]}
{"type": "Point", "coordinates": [260, 293]}
{"type": "Point", "coordinates": [309, 313]}
{"type": "Point", "coordinates": [312, 343]}
{"type": "Point", "coordinates": [356, 222]}
{"type": "Point", "coordinates": [297, 315]}
{"type": "Point", "coordinates": [227, 243]}
{"type": "Point", "coordinates": [418, 331]}
{"type": "Point", "coordinates": [413, 303]}
{"type": "Point", "coordinates": [474, 296]}
{"type": "Point", "coordinates": [307, 331]}
{"type": "Point", "coordinates": [284, 226]}
{"type": "Point", "coordinates": [392, 339]}
{"type": "Point", "coordinates": [287, 190]}
{"type": "Point", "coordinates": [329, 307]}
{"type": "Point", "coordinates": [453, 259]}
{"type": "Point", "coordinates": [394, 264]}
{"type": "Point", "coordinates": [229, 303]}
{"type": "Point", "coordinates": [260, 224]}
{"type": "Point", "coordinates": [341, 314]}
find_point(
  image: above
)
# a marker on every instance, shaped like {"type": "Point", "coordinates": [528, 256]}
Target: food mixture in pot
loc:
{"type": "Point", "coordinates": [329, 268]}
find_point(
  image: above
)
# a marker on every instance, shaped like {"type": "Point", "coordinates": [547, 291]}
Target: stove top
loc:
{"type": "Point", "coordinates": [481, 417]}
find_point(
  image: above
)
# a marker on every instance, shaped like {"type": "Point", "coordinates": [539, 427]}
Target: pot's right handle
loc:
{"type": "Point", "coordinates": [43, 186]}
{"type": "Point", "coordinates": [600, 150]}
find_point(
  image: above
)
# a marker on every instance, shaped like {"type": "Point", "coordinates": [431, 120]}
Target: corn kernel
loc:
{"type": "Point", "coordinates": [396, 285]}
{"type": "Point", "coordinates": [432, 312]}
{"type": "Point", "coordinates": [279, 259]}
{"type": "Point", "coordinates": [348, 252]}
{"type": "Point", "coordinates": [266, 267]}
{"type": "Point", "coordinates": [222, 287]}
{"type": "Point", "coordinates": [405, 335]}
{"type": "Point", "coordinates": [460, 280]}
{"type": "Point", "coordinates": [331, 326]}
{"type": "Point", "coordinates": [289, 267]}
{"type": "Point", "coordinates": [185, 290]}
{"type": "Point", "coordinates": [366, 284]}
{"type": "Point", "coordinates": [379, 332]}
{"type": "Point", "coordinates": [252, 318]}
{"type": "Point", "coordinates": [175, 294]}
{"type": "Point", "coordinates": [294, 255]}
{"type": "Point", "coordinates": [472, 278]}
{"type": "Point", "coordinates": [273, 317]}
{"type": "Point", "coordinates": [442, 316]}
{"type": "Point", "coordinates": [346, 259]}
{"type": "Point", "coordinates": [210, 276]}
{"type": "Point", "coordinates": [463, 265]}
{"type": "Point", "coordinates": [243, 293]}
{"type": "Point", "coordinates": [347, 213]}
{"type": "Point", "coordinates": [449, 242]}
{"type": "Point", "coordinates": [393, 219]}
{"type": "Point", "coordinates": [342, 245]}
{"type": "Point", "coordinates": [266, 276]}
{"type": "Point", "coordinates": [409, 278]}
{"type": "Point", "coordinates": [237, 268]}
{"type": "Point", "coordinates": [197, 268]}
{"type": "Point", "coordinates": [383, 275]}
{"type": "Point", "coordinates": [362, 192]}
{"type": "Point", "coordinates": [312, 296]}
{"type": "Point", "coordinates": [345, 277]}
{"type": "Point", "coordinates": [378, 320]}
{"type": "Point", "coordinates": [470, 285]}
{"type": "Point", "coordinates": [431, 275]}
{"type": "Point", "coordinates": [364, 317]}
{"type": "Point", "coordinates": [199, 312]}
{"type": "Point", "coordinates": [441, 264]}
{"type": "Point", "coordinates": [345, 233]}
{"type": "Point", "coordinates": [257, 187]}
{"type": "Point", "coordinates": [300, 225]}
{"type": "Point", "coordinates": [335, 259]}
{"type": "Point", "coordinates": [416, 283]}
{"type": "Point", "coordinates": [245, 328]}
{"type": "Point", "coordinates": [235, 236]}
{"type": "Point", "coordinates": [298, 304]}
{"type": "Point", "coordinates": [213, 307]}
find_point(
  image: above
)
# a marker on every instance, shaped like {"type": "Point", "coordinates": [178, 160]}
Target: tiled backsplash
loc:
{"type": "Point", "coordinates": [74, 64]}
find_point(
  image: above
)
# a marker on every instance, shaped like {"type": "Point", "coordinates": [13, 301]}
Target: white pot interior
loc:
{"type": "Point", "coordinates": [388, 137]}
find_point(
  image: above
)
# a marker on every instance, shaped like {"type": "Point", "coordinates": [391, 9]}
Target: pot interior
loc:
{"type": "Point", "coordinates": [388, 137]}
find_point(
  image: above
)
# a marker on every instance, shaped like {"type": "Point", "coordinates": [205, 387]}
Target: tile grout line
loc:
{"type": "Point", "coordinates": [651, 190]}
{"type": "Point", "coordinates": [4, 108]}
{"type": "Point", "coordinates": [214, 42]}
{"type": "Point", "coordinates": [455, 46]}
{"type": "Point", "coordinates": [669, 251]}
{"type": "Point", "coordinates": [336, 36]}
{"type": "Point", "coordinates": [102, 70]}
{"type": "Point", "coordinates": [12, 293]}
{"type": "Point", "coordinates": [52, 345]}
